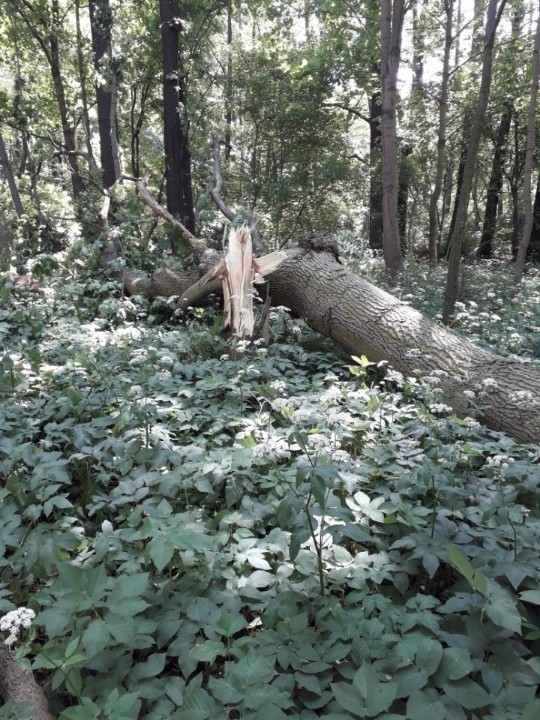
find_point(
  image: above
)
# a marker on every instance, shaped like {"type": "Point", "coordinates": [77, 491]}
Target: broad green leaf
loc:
{"type": "Point", "coordinates": [160, 552]}
{"type": "Point", "coordinates": [208, 650]}
{"type": "Point", "coordinates": [96, 637]}
{"type": "Point", "coordinates": [501, 608]}
{"type": "Point", "coordinates": [532, 711]}
{"type": "Point", "coordinates": [228, 624]}
{"type": "Point", "coordinates": [420, 706]}
{"type": "Point", "coordinates": [225, 689]}
{"type": "Point", "coordinates": [428, 655]}
{"type": "Point", "coordinates": [468, 694]}
{"type": "Point", "coordinates": [456, 663]}
{"type": "Point", "coordinates": [532, 596]}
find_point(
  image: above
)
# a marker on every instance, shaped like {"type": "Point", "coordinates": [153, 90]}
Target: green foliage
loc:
{"type": "Point", "coordinates": [291, 535]}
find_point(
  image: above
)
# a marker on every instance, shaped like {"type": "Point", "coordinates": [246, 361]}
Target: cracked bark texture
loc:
{"type": "Point", "coordinates": [18, 686]}
{"type": "Point", "coordinates": [365, 320]}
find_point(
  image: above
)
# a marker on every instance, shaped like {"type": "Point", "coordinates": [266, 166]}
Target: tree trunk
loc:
{"type": "Point", "coordinates": [10, 179]}
{"type": "Point", "coordinates": [441, 135]}
{"type": "Point", "coordinates": [59, 90]}
{"type": "Point", "coordinates": [485, 249]}
{"type": "Point", "coordinates": [392, 12]}
{"type": "Point", "coordinates": [175, 140]}
{"type": "Point", "coordinates": [81, 71]}
{"type": "Point", "coordinates": [365, 320]}
{"type": "Point", "coordinates": [456, 240]}
{"type": "Point", "coordinates": [529, 152]}
{"type": "Point", "coordinates": [534, 245]}
{"type": "Point", "coordinates": [375, 187]}
{"type": "Point", "coordinates": [403, 196]}
{"type": "Point", "coordinates": [101, 24]}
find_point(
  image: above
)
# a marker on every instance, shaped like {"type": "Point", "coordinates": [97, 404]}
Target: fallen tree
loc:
{"type": "Point", "coordinates": [365, 320]}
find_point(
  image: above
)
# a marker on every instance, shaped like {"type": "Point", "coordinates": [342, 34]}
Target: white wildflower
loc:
{"type": "Point", "coordinates": [489, 383]}
{"type": "Point", "coordinates": [469, 394]}
{"type": "Point", "coordinates": [500, 461]}
{"type": "Point", "coordinates": [14, 620]}
{"type": "Point", "coordinates": [440, 409]}
{"type": "Point", "coordinates": [279, 386]}
{"type": "Point", "coordinates": [471, 423]}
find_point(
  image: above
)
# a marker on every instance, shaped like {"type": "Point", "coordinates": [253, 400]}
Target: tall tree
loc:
{"type": "Point", "coordinates": [529, 151]}
{"type": "Point", "coordinates": [7, 171]}
{"type": "Point", "coordinates": [485, 248]}
{"type": "Point", "coordinates": [106, 88]}
{"type": "Point", "coordinates": [375, 182]}
{"type": "Point", "coordinates": [392, 14]}
{"type": "Point", "coordinates": [175, 131]}
{"type": "Point", "coordinates": [493, 17]}
{"type": "Point", "coordinates": [45, 29]}
{"type": "Point", "coordinates": [441, 133]}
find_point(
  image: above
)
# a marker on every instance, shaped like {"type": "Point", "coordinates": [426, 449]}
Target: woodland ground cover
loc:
{"type": "Point", "coordinates": [295, 534]}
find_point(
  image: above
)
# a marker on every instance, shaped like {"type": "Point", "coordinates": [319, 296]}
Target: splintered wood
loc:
{"type": "Point", "coordinates": [239, 271]}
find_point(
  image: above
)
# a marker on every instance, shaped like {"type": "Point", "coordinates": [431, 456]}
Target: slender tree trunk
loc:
{"type": "Point", "coordinates": [229, 83]}
{"type": "Point", "coordinates": [403, 196]}
{"type": "Point", "coordinates": [485, 249]}
{"type": "Point", "coordinates": [5, 244]}
{"type": "Point", "coordinates": [392, 13]}
{"type": "Point", "coordinates": [456, 240]}
{"type": "Point", "coordinates": [529, 152]}
{"type": "Point", "coordinates": [441, 134]}
{"type": "Point", "coordinates": [375, 184]}
{"type": "Point", "coordinates": [20, 115]}
{"type": "Point", "coordinates": [10, 179]}
{"type": "Point", "coordinates": [81, 70]}
{"type": "Point", "coordinates": [534, 244]}
{"type": "Point", "coordinates": [177, 156]}
{"type": "Point", "coordinates": [101, 24]}
{"type": "Point", "coordinates": [60, 93]}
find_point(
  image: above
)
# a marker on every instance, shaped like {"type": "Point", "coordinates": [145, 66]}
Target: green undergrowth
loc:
{"type": "Point", "coordinates": [295, 534]}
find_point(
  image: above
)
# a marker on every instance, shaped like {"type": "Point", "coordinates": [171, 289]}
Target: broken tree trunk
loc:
{"type": "Point", "coordinates": [365, 320]}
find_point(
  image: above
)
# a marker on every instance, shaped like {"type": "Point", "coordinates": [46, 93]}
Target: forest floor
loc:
{"type": "Point", "coordinates": [297, 534]}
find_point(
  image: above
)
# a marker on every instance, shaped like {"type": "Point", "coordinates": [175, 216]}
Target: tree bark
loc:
{"type": "Point", "coordinates": [485, 249]}
{"type": "Point", "coordinates": [365, 320]}
{"type": "Point", "coordinates": [175, 139]}
{"type": "Point", "coordinates": [441, 135]}
{"type": "Point", "coordinates": [529, 152]}
{"type": "Point", "coordinates": [101, 25]}
{"type": "Point", "coordinates": [81, 71]}
{"type": "Point", "coordinates": [18, 686]}
{"type": "Point", "coordinates": [392, 13]}
{"type": "Point", "coordinates": [59, 90]}
{"type": "Point", "coordinates": [375, 185]}
{"type": "Point", "coordinates": [10, 179]}
{"type": "Point", "coordinates": [456, 240]}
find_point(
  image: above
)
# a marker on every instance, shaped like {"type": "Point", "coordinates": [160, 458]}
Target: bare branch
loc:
{"type": "Point", "coordinates": [215, 192]}
{"type": "Point", "coordinates": [198, 246]}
